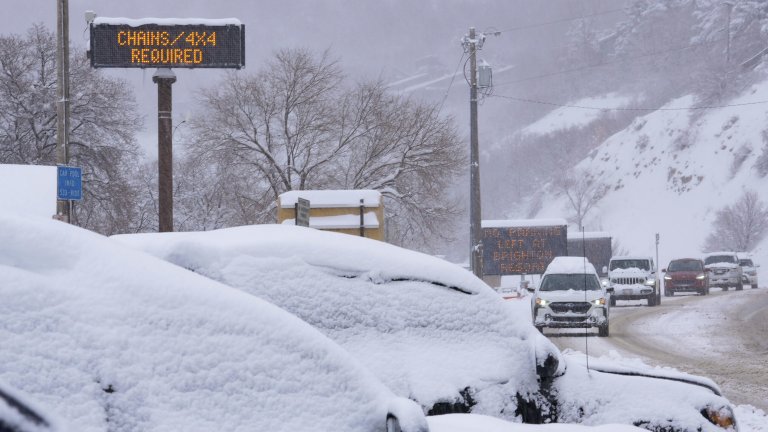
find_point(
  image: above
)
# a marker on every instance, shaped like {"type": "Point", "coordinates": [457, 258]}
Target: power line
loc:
{"type": "Point", "coordinates": [527, 100]}
{"type": "Point", "coordinates": [458, 65]}
{"type": "Point", "coordinates": [542, 24]}
{"type": "Point", "coordinates": [606, 63]}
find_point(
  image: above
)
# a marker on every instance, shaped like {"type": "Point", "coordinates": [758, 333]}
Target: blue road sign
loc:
{"type": "Point", "coordinates": [69, 183]}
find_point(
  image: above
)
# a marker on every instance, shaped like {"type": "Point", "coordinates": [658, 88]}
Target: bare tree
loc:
{"type": "Point", "coordinates": [739, 227]}
{"type": "Point", "coordinates": [583, 193]}
{"type": "Point", "coordinates": [103, 121]}
{"type": "Point", "coordinates": [295, 125]}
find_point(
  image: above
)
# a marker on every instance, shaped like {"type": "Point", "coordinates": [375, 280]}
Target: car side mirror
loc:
{"type": "Point", "coordinates": [609, 289]}
{"type": "Point", "coordinates": [530, 289]}
{"type": "Point", "coordinates": [707, 270]}
{"type": "Point", "coordinates": [663, 270]}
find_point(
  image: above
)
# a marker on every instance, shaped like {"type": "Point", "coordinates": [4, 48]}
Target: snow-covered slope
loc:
{"type": "Point", "coordinates": [671, 170]}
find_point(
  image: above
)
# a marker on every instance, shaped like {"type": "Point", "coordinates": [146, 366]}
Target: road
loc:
{"type": "Point", "coordinates": [723, 336]}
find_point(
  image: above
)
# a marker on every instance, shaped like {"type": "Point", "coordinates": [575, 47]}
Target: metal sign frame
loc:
{"type": "Point", "coordinates": [155, 45]}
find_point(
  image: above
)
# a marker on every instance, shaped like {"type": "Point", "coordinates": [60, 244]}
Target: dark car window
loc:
{"type": "Point", "coordinates": [720, 259]}
{"type": "Point", "coordinates": [746, 263]}
{"type": "Point", "coordinates": [564, 282]}
{"type": "Point", "coordinates": [687, 265]}
{"type": "Point", "coordinates": [628, 264]}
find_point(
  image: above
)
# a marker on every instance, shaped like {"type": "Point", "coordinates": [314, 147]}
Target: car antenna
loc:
{"type": "Point", "coordinates": [584, 262]}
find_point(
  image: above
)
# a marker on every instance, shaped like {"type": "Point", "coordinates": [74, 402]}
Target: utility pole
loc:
{"type": "Point", "coordinates": [728, 9]}
{"type": "Point", "coordinates": [62, 93]}
{"type": "Point", "coordinates": [164, 78]}
{"type": "Point", "coordinates": [471, 44]}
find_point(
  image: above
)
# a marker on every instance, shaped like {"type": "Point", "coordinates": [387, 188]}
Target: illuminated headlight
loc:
{"type": "Point", "coordinates": [599, 302]}
{"type": "Point", "coordinates": [722, 417]}
{"type": "Point", "coordinates": [650, 282]}
{"type": "Point", "coordinates": [667, 277]}
{"type": "Point", "coordinates": [542, 302]}
{"type": "Point", "coordinates": [701, 276]}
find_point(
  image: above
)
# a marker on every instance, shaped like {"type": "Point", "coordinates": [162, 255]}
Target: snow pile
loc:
{"type": "Point", "coordinates": [427, 328]}
{"type": "Point", "coordinates": [112, 339]}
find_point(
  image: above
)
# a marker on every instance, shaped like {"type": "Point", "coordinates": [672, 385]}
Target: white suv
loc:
{"type": "Point", "coordinates": [724, 270]}
{"type": "Point", "coordinates": [634, 278]}
{"type": "Point", "coordinates": [570, 295]}
{"type": "Point", "coordinates": [749, 269]}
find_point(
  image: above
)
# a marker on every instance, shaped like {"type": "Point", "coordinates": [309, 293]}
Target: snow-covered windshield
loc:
{"type": "Point", "coordinates": [685, 265]}
{"type": "Point", "coordinates": [714, 259]}
{"type": "Point", "coordinates": [564, 282]}
{"type": "Point", "coordinates": [630, 263]}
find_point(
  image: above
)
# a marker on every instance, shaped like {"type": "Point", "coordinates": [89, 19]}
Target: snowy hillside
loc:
{"type": "Point", "coordinates": [671, 170]}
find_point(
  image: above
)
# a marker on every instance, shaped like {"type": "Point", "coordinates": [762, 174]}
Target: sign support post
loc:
{"type": "Point", "coordinates": [164, 78]}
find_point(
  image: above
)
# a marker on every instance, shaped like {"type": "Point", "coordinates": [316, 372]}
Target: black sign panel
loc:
{"type": "Point", "coordinates": [596, 249]}
{"type": "Point", "coordinates": [519, 250]}
{"type": "Point", "coordinates": [302, 212]}
{"type": "Point", "coordinates": [167, 46]}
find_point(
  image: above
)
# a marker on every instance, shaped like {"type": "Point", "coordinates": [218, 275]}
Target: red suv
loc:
{"type": "Point", "coordinates": [686, 275]}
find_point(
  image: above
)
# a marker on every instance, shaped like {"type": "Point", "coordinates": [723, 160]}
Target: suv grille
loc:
{"type": "Point", "coordinates": [628, 280]}
{"type": "Point", "coordinates": [577, 307]}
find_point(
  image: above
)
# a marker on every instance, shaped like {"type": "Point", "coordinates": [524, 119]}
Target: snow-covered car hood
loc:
{"type": "Point", "coordinates": [571, 295]}
{"type": "Point", "coordinates": [722, 265]}
{"type": "Point", "coordinates": [113, 339]}
{"type": "Point", "coordinates": [427, 328]}
{"type": "Point", "coordinates": [629, 272]}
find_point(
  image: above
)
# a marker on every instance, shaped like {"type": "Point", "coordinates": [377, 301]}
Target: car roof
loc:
{"type": "Point", "coordinates": [631, 257]}
{"type": "Point", "coordinates": [720, 253]}
{"type": "Point", "coordinates": [685, 259]}
{"type": "Point", "coordinates": [88, 322]}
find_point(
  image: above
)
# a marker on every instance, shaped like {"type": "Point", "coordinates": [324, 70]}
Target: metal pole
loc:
{"type": "Point", "coordinates": [62, 93]}
{"type": "Point", "coordinates": [475, 237]}
{"type": "Point", "coordinates": [164, 78]}
{"type": "Point", "coordinates": [362, 218]}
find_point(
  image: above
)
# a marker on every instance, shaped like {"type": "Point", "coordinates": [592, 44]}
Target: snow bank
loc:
{"type": "Point", "coordinates": [113, 339]}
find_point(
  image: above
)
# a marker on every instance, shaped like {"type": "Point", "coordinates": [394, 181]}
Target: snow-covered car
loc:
{"type": "Point", "coordinates": [725, 271]}
{"type": "Point", "coordinates": [111, 339]}
{"type": "Point", "coordinates": [748, 269]}
{"type": "Point", "coordinates": [19, 414]}
{"type": "Point", "coordinates": [430, 330]}
{"type": "Point", "coordinates": [686, 275]}
{"type": "Point", "coordinates": [571, 295]}
{"type": "Point", "coordinates": [634, 278]}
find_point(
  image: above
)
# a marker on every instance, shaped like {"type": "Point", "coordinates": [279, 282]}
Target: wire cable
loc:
{"type": "Point", "coordinates": [450, 84]}
{"type": "Point", "coordinates": [542, 24]}
{"type": "Point", "coordinates": [527, 100]}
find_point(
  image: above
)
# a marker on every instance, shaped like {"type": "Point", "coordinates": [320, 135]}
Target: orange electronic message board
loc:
{"type": "Point", "coordinates": [162, 45]}
{"type": "Point", "coordinates": [511, 250]}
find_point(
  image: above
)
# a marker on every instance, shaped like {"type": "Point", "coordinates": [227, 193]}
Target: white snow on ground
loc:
{"type": "Point", "coordinates": [479, 423]}
{"type": "Point", "coordinates": [97, 332]}
{"type": "Point", "coordinates": [566, 117]}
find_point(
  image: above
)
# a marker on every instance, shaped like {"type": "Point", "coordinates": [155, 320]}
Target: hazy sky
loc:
{"type": "Point", "coordinates": [373, 38]}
